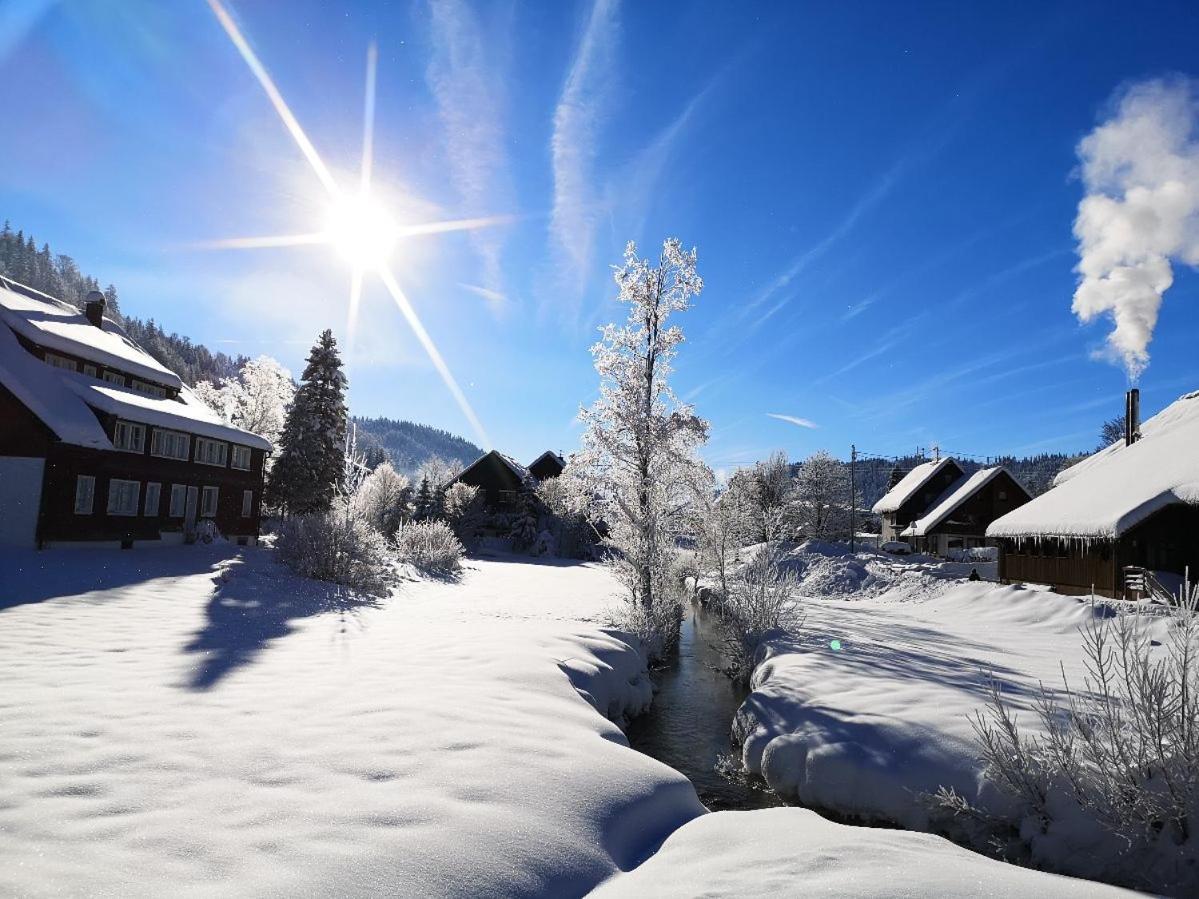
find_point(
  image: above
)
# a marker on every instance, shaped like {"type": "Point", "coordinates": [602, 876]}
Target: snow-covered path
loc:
{"type": "Point", "coordinates": [191, 721]}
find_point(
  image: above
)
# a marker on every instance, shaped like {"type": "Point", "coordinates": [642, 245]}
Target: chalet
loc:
{"type": "Point", "coordinates": [499, 479]}
{"type": "Point", "coordinates": [548, 465]}
{"type": "Point", "coordinates": [908, 499]}
{"type": "Point", "coordinates": [959, 517]}
{"type": "Point", "coordinates": [1130, 508]}
{"type": "Point", "coordinates": [103, 443]}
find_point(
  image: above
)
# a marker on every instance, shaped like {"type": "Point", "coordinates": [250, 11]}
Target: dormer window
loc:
{"type": "Point", "coordinates": [129, 436]}
{"type": "Point", "coordinates": [90, 370]}
{"type": "Point", "coordinates": [61, 362]}
{"type": "Point", "coordinates": [114, 377]}
{"type": "Point", "coordinates": [149, 389]}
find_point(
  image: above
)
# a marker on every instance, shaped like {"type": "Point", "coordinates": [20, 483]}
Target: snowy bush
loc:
{"type": "Point", "coordinates": [761, 598]}
{"type": "Point", "coordinates": [564, 500]}
{"type": "Point", "coordinates": [383, 499]}
{"type": "Point", "coordinates": [656, 626]}
{"type": "Point", "coordinates": [337, 546]}
{"type": "Point", "coordinates": [464, 512]}
{"type": "Point", "coordinates": [1118, 762]}
{"type": "Point", "coordinates": [523, 529]}
{"type": "Point", "coordinates": [429, 546]}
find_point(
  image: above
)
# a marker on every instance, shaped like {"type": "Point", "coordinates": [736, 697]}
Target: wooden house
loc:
{"type": "Point", "coordinates": [914, 493]}
{"type": "Point", "coordinates": [103, 443]}
{"type": "Point", "coordinates": [548, 465]}
{"type": "Point", "coordinates": [1129, 508]}
{"type": "Point", "coordinates": [499, 479]}
{"type": "Point", "coordinates": [959, 517]}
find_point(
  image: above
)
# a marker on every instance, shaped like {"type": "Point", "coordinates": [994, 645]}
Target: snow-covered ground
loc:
{"type": "Point", "coordinates": [195, 720]}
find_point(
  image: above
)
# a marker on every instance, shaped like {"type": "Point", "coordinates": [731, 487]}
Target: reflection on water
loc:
{"type": "Point", "coordinates": [689, 724]}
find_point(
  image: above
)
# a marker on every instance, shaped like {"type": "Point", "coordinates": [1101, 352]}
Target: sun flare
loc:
{"type": "Point", "coordinates": [362, 231]}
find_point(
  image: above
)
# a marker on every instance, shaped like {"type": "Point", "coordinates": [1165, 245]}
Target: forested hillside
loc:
{"type": "Point", "coordinates": [57, 275]}
{"type": "Point", "coordinates": [408, 444]}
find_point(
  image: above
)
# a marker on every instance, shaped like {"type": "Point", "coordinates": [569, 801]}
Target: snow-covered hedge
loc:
{"type": "Point", "coordinates": [338, 547]}
{"type": "Point", "coordinates": [429, 546]}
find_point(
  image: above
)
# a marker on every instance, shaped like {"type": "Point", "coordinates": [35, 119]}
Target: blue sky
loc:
{"type": "Point", "coordinates": [882, 197]}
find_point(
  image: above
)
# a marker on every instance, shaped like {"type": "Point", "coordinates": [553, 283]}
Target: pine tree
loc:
{"type": "Point", "coordinates": [423, 504]}
{"type": "Point", "coordinates": [310, 466]}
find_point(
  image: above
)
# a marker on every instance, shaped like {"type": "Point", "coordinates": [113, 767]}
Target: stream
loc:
{"type": "Point", "coordinates": [688, 726]}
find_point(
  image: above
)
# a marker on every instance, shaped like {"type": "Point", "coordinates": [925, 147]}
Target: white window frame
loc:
{"type": "Point", "coordinates": [57, 361]}
{"type": "Point", "coordinates": [114, 377]}
{"type": "Point", "coordinates": [202, 443]}
{"type": "Point", "coordinates": [133, 428]}
{"type": "Point", "coordinates": [205, 510]}
{"type": "Point", "coordinates": [123, 496]}
{"type": "Point", "coordinates": [240, 451]}
{"type": "Point", "coordinates": [247, 503]}
{"type": "Point", "coordinates": [88, 494]}
{"type": "Point", "coordinates": [163, 435]}
{"type": "Point", "coordinates": [145, 387]}
{"type": "Point", "coordinates": [90, 370]}
{"type": "Point", "coordinates": [178, 506]}
{"type": "Point", "coordinates": [153, 491]}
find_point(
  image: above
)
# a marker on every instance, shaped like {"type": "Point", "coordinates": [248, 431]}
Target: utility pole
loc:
{"type": "Point", "coordinates": [853, 499]}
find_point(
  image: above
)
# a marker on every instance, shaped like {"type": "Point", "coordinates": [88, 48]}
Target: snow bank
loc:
{"type": "Point", "coordinates": [871, 706]}
{"type": "Point", "coordinates": [790, 851]}
{"type": "Point", "coordinates": [177, 721]}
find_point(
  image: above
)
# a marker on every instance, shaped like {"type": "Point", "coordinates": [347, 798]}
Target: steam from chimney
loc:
{"type": "Point", "coordinates": [1140, 169]}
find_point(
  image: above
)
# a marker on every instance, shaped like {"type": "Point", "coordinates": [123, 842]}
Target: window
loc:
{"type": "Point", "coordinates": [241, 457]}
{"type": "Point", "coordinates": [114, 377]}
{"type": "Point", "coordinates": [122, 497]}
{"type": "Point", "coordinates": [178, 500]}
{"type": "Point", "coordinates": [208, 502]}
{"type": "Point", "coordinates": [170, 444]}
{"type": "Point", "coordinates": [247, 503]}
{"type": "Point", "coordinates": [507, 497]}
{"type": "Point", "coordinates": [153, 492]}
{"type": "Point", "coordinates": [61, 362]}
{"type": "Point", "coordinates": [85, 494]}
{"type": "Point", "coordinates": [89, 370]}
{"type": "Point", "coordinates": [129, 436]}
{"type": "Point", "coordinates": [211, 452]}
{"type": "Point", "coordinates": [149, 389]}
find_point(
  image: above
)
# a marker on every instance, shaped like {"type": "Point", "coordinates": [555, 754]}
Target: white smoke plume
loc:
{"type": "Point", "coordinates": [1140, 169]}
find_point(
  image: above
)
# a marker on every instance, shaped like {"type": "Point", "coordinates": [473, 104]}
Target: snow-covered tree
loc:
{"type": "Point", "coordinates": [422, 502]}
{"type": "Point", "coordinates": [310, 467]}
{"type": "Point", "coordinates": [639, 447]}
{"type": "Point", "coordinates": [523, 529]}
{"type": "Point", "coordinates": [821, 499]}
{"type": "Point", "coordinates": [256, 400]}
{"type": "Point", "coordinates": [385, 499]}
{"type": "Point", "coordinates": [438, 472]}
{"type": "Point", "coordinates": [721, 521]}
{"type": "Point", "coordinates": [765, 490]}
{"type": "Point", "coordinates": [464, 512]}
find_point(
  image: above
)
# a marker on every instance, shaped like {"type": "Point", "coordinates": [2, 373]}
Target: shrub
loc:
{"type": "Point", "coordinates": [1118, 759]}
{"type": "Point", "coordinates": [429, 546]}
{"type": "Point", "coordinates": [384, 499]}
{"type": "Point", "coordinates": [656, 626]}
{"type": "Point", "coordinates": [339, 547]}
{"type": "Point", "coordinates": [761, 598]}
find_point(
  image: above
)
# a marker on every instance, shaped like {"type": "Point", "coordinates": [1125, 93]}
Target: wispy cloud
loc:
{"type": "Point", "coordinates": [466, 86]}
{"type": "Point", "coordinates": [578, 120]}
{"type": "Point", "coordinates": [799, 422]}
{"type": "Point", "coordinates": [486, 293]}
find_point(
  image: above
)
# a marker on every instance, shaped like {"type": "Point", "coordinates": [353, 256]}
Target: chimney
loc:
{"type": "Point", "coordinates": [1132, 416]}
{"type": "Point", "coordinates": [94, 308]}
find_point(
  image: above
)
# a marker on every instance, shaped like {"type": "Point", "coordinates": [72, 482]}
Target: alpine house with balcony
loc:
{"type": "Point", "coordinates": [103, 443]}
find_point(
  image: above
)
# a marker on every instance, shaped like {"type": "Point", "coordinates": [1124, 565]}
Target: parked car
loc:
{"type": "Point", "coordinates": [897, 547]}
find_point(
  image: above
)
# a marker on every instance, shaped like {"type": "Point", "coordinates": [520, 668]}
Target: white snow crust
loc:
{"type": "Point", "coordinates": [908, 485]}
{"type": "Point", "coordinates": [960, 491]}
{"type": "Point", "coordinates": [1120, 486]}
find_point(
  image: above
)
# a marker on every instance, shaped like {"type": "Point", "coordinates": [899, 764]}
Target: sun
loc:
{"type": "Point", "coordinates": [361, 230]}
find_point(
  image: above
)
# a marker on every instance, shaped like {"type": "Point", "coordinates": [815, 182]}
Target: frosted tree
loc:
{"type": "Point", "coordinates": [721, 521]}
{"type": "Point", "coordinates": [310, 467]}
{"type": "Point", "coordinates": [821, 499]}
{"type": "Point", "coordinates": [639, 447]}
{"type": "Point", "coordinates": [256, 400]}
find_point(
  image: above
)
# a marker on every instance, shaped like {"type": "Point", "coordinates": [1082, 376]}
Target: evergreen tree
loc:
{"type": "Point", "coordinates": [310, 466]}
{"type": "Point", "coordinates": [423, 504]}
{"type": "Point", "coordinates": [523, 530]}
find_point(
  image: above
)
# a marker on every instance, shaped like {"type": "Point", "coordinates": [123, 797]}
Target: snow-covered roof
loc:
{"type": "Point", "coordinates": [909, 485]}
{"type": "Point", "coordinates": [47, 396]}
{"type": "Point", "coordinates": [557, 458]}
{"type": "Point", "coordinates": [61, 398]}
{"type": "Point", "coordinates": [60, 326]}
{"type": "Point", "coordinates": [188, 413]}
{"type": "Point", "coordinates": [957, 493]}
{"type": "Point", "coordinates": [517, 469]}
{"type": "Point", "coordinates": [1120, 486]}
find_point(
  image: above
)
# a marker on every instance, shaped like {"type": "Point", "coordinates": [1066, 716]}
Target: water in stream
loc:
{"type": "Point", "coordinates": [688, 726]}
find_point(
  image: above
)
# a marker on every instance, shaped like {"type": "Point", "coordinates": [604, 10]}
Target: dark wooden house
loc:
{"type": "Point", "coordinates": [499, 479]}
{"type": "Point", "coordinates": [959, 517]}
{"type": "Point", "coordinates": [914, 493]}
{"type": "Point", "coordinates": [548, 465]}
{"type": "Point", "coordinates": [1130, 507]}
{"type": "Point", "coordinates": [103, 443]}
